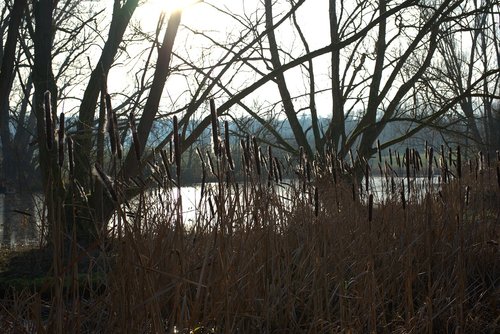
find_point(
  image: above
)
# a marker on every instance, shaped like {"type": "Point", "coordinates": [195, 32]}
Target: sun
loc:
{"type": "Point", "coordinates": [171, 6]}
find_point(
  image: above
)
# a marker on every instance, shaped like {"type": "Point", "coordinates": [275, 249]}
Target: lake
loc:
{"type": "Point", "coordinates": [20, 214]}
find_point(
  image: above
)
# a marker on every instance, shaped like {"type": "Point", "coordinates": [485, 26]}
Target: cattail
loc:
{"type": "Point", "coordinates": [498, 176]}
{"type": "Point", "coordinates": [275, 170]}
{"type": "Point", "coordinates": [301, 161]}
{"type": "Point", "coordinates": [106, 182]}
{"type": "Point", "coordinates": [316, 202]}
{"type": "Point", "coordinates": [245, 155]}
{"type": "Point", "coordinates": [379, 151]}
{"type": "Point", "coordinates": [429, 171]}
{"type": "Point", "coordinates": [135, 137]}
{"type": "Point", "coordinates": [459, 163]}
{"type": "Point", "coordinates": [111, 125]}
{"type": "Point", "coordinates": [407, 160]}
{"type": "Point", "coordinates": [308, 171]}
{"type": "Point", "coordinates": [403, 199]}
{"type": "Point", "coordinates": [211, 164]}
{"type": "Point", "coordinates": [414, 160]}
{"type": "Point", "coordinates": [215, 127]}
{"type": "Point", "coordinates": [256, 154]}
{"type": "Point", "coordinates": [426, 150]}
{"type": "Point", "coordinates": [169, 175]}
{"type": "Point", "coordinates": [398, 160]}
{"type": "Point", "coordinates": [210, 204]}
{"type": "Point", "coordinates": [370, 207]}
{"type": "Point", "coordinates": [467, 191]}
{"type": "Point", "coordinates": [334, 173]}
{"type": "Point", "coordinates": [277, 164]}
{"type": "Point", "coordinates": [177, 150]}
{"type": "Point", "coordinates": [390, 156]}
{"type": "Point", "coordinates": [61, 139]}
{"type": "Point", "coordinates": [367, 177]}
{"type": "Point", "coordinates": [48, 120]}
{"type": "Point", "coordinates": [227, 145]}
{"type": "Point", "coordinates": [117, 137]}
{"type": "Point", "coordinates": [270, 167]}
{"type": "Point", "coordinates": [204, 174]}
{"type": "Point", "coordinates": [171, 150]}
{"type": "Point", "coordinates": [69, 142]}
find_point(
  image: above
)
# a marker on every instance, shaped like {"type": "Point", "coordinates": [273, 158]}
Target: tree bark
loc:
{"type": "Point", "coordinates": [6, 79]}
{"type": "Point", "coordinates": [86, 127]}
{"type": "Point", "coordinates": [131, 166]}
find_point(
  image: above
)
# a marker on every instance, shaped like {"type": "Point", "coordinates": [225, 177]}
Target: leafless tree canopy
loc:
{"type": "Point", "coordinates": [332, 79]}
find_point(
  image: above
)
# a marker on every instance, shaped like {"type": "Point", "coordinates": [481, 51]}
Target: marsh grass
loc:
{"type": "Point", "coordinates": [317, 255]}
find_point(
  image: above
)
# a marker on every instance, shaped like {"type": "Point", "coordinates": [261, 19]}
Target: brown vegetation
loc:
{"type": "Point", "coordinates": [263, 256]}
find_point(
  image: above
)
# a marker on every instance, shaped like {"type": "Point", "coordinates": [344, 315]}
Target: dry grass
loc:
{"type": "Point", "coordinates": [269, 259]}
{"type": "Point", "coordinates": [313, 256]}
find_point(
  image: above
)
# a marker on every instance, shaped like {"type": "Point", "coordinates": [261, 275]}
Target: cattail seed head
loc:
{"type": "Point", "coordinates": [256, 154]}
{"type": "Point", "coordinates": [69, 142]}
{"type": "Point", "coordinates": [110, 124]}
{"type": "Point", "coordinates": [49, 134]}
{"type": "Point", "coordinates": [370, 207]}
{"type": "Point", "coordinates": [429, 171]}
{"type": "Point", "coordinates": [117, 137]}
{"type": "Point", "coordinates": [316, 202]}
{"type": "Point", "coordinates": [135, 136]}
{"type": "Point", "coordinates": [227, 145]}
{"type": "Point", "coordinates": [379, 151]}
{"type": "Point", "coordinates": [61, 140]}
{"type": "Point", "coordinates": [177, 149]}
{"type": "Point", "coordinates": [215, 127]}
{"type": "Point", "coordinates": [278, 167]}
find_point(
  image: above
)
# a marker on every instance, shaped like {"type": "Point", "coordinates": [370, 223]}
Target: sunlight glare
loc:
{"type": "Point", "coordinates": [171, 6]}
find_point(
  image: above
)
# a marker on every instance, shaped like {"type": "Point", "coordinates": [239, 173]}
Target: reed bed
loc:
{"type": "Point", "coordinates": [323, 253]}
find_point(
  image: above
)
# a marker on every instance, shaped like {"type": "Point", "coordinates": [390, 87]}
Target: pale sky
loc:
{"type": "Point", "coordinates": [313, 17]}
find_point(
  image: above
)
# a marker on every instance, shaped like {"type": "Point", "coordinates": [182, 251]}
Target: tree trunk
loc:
{"type": "Point", "coordinates": [286, 98]}
{"type": "Point", "coordinates": [86, 127]}
{"type": "Point", "coordinates": [6, 79]}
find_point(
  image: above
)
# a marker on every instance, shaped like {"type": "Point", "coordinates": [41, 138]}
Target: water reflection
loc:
{"type": "Point", "coordinates": [18, 219]}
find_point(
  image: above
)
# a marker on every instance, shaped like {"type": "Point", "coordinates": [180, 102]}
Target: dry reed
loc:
{"type": "Point", "coordinates": [309, 256]}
